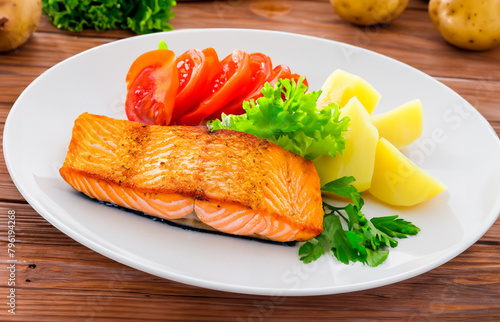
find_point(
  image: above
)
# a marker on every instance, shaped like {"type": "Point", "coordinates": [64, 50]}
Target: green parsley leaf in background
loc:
{"type": "Point", "coordinates": [143, 16]}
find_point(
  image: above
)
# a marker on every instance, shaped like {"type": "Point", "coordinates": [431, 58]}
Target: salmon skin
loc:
{"type": "Point", "coordinates": [192, 225]}
{"type": "Point", "coordinates": [231, 181]}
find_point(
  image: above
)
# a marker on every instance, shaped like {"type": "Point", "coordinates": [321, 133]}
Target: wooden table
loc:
{"type": "Point", "coordinates": [59, 279]}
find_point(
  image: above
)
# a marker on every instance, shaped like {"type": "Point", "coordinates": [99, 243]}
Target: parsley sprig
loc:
{"type": "Point", "coordinates": [364, 240]}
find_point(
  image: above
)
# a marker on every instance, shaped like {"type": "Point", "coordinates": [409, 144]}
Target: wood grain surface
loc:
{"type": "Point", "coordinates": [58, 279]}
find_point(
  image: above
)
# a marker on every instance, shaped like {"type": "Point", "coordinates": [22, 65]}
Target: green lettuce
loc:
{"type": "Point", "coordinates": [288, 116]}
{"type": "Point", "coordinates": [144, 16]}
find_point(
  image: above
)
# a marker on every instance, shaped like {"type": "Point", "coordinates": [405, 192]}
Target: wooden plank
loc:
{"type": "Point", "coordinates": [481, 93]}
{"type": "Point", "coordinates": [108, 289]}
{"type": "Point", "coordinates": [11, 86]}
{"type": "Point", "coordinates": [400, 305]}
{"type": "Point", "coordinates": [43, 51]}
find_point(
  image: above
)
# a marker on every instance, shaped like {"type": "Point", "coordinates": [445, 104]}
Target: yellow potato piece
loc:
{"type": "Point", "coordinates": [401, 125]}
{"type": "Point", "coordinates": [341, 86]}
{"type": "Point", "coordinates": [358, 157]}
{"type": "Point", "coordinates": [398, 181]}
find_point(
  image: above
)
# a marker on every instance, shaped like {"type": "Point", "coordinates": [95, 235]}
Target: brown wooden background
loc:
{"type": "Point", "coordinates": [59, 279]}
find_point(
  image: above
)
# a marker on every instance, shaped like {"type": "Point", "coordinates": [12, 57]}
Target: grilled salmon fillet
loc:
{"type": "Point", "coordinates": [232, 181]}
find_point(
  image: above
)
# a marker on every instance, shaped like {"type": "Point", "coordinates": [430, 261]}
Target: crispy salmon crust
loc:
{"type": "Point", "coordinates": [221, 173]}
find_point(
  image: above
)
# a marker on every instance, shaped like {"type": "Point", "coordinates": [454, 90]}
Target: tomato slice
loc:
{"type": "Point", "coordinates": [261, 68]}
{"type": "Point", "coordinates": [197, 70]}
{"type": "Point", "coordinates": [280, 71]}
{"type": "Point", "coordinates": [152, 84]}
{"type": "Point", "coordinates": [235, 76]}
{"type": "Point", "coordinates": [283, 71]}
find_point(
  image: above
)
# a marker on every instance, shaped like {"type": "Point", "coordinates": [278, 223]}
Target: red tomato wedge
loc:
{"type": "Point", "coordinates": [234, 78]}
{"type": "Point", "coordinates": [280, 71]}
{"type": "Point", "coordinates": [261, 68]}
{"type": "Point", "coordinates": [283, 71]}
{"type": "Point", "coordinates": [197, 70]}
{"type": "Point", "coordinates": [152, 84]}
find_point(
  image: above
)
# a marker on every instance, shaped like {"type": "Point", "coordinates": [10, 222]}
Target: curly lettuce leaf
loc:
{"type": "Point", "coordinates": [143, 16]}
{"type": "Point", "coordinates": [288, 116]}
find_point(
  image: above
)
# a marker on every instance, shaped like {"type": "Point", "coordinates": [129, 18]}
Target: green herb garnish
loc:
{"type": "Point", "coordinates": [364, 240]}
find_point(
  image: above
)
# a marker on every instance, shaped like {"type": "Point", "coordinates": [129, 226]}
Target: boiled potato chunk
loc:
{"type": "Point", "coordinates": [341, 86]}
{"type": "Point", "coordinates": [468, 24]}
{"type": "Point", "coordinates": [401, 125]}
{"type": "Point", "coordinates": [398, 181]}
{"type": "Point", "coordinates": [358, 156]}
{"type": "Point", "coordinates": [369, 12]}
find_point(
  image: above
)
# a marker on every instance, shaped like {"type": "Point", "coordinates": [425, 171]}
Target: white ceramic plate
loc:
{"type": "Point", "coordinates": [458, 146]}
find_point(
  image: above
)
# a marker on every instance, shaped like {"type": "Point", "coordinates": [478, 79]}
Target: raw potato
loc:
{"type": "Point", "coordinates": [402, 125]}
{"type": "Point", "coordinates": [18, 21]}
{"type": "Point", "coordinates": [369, 12]}
{"type": "Point", "coordinates": [358, 156]}
{"type": "Point", "coordinates": [398, 181]}
{"type": "Point", "coordinates": [468, 24]}
{"type": "Point", "coordinates": [341, 86]}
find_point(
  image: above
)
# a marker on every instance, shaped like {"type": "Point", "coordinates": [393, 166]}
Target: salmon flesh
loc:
{"type": "Point", "coordinates": [231, 181]}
